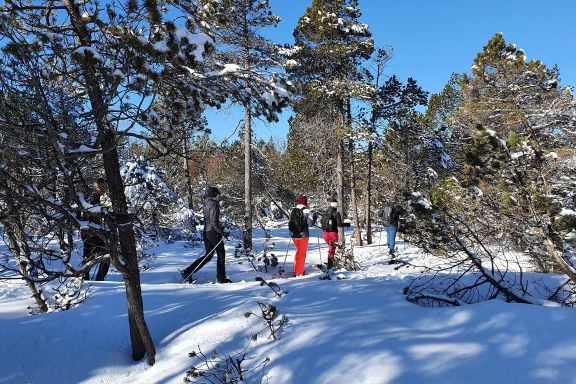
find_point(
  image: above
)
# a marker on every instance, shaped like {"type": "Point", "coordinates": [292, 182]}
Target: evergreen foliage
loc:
{"type": "Point", "coordinates": [509, 186]}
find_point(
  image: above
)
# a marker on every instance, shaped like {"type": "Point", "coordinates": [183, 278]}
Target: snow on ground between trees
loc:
{"type": "Point", "coordinates": [357, 330]}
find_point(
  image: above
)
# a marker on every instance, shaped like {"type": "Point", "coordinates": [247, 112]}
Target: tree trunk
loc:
{"type": "Point", "coordinates": [247, 135]}
{"type": "Point", "coordinates": [17, 244]}
{"type": "Point", "coordinates": [368, 214]}
{"type": "Point", "coordinates": [142, 343]}
{"type": "Point", "coordinates": [187, 175]}
{"type": "Point", "coordinates": [340, 170]}
{"type": "Point", "coordinates": [188, 183]}
{"type": "Point", "coordinates": [353, 200]}
{"type": "Point", "coordinates": [247, 180]}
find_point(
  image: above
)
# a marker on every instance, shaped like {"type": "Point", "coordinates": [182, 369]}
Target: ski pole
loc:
{"type": "Point", "coordinates": [203, 258]}
{"type": "Point", "coordinates": [319, 250]}
{"type": "Point", "coordinates": [250, 260]}
{"type": "Point", "coordinates": [285, 256]}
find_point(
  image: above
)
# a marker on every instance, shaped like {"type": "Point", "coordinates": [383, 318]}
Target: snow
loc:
{"type": "Point", "coordinates": [291, 63]}
{"type": "Point", "coordinates": [84, 50]}
{"type": "Point", "coordinates": [356, 330]}
{"type": "Point", "coordinates": [226, 69]}
{"type": "Point", "coordinates": [567, 212]}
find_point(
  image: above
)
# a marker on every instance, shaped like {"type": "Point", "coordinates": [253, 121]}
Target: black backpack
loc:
{"type": "Point", "coordinates": [387, 215]}
{"type": "Point", "coordinates": [297, 222]}
{"type": "Point", "coordinates": [329, 222]}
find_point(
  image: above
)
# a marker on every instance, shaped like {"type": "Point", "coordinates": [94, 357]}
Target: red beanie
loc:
{"type": "Point", "coordinates": [302, 199]}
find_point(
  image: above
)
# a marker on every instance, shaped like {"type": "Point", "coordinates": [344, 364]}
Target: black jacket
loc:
{"type": "Point", "coordinates": [212, 216]}
{"type": "Point", "coordinates": [396, 212]}
{"type": "Point", "coordinates": [299, 223]}
{"type": "Point", "coordinates": [333, 214]}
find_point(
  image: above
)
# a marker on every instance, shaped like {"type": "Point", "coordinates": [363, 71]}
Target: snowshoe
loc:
{"type": "Point", "coordinates": [186, 278]}
{"type": "Point", "coordinates": [325, 272]}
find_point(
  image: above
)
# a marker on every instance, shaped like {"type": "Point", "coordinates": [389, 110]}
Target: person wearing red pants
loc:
{"type": "Point", "coordinates": [331, 221]}
{"type": "Point", "coordinates": [299, 232]}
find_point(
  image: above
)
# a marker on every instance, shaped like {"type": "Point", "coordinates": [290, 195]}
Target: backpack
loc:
{"type": "Point", "coordinates": [297, 222]}
{"type": "Point", "coordinates": [329, 222]}
{"type": "Point", "coordinates": [387, 215]}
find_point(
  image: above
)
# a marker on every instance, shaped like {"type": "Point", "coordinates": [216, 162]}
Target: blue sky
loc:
{"type": "Point", "coordinates": [432, 39]}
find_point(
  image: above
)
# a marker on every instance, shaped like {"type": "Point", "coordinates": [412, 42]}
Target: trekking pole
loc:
{"type": "Point", "coordinates": [319, 250]}
{"type": "Point", "coordinates": [250, 260]}
{"type": "Point", "coordinates": [285, 256]}
{"type": "Point", "coordinates": [202, 260]}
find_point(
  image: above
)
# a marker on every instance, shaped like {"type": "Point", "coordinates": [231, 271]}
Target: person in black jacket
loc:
{"type": "Point", "coordinates": [94, 244]}
{"type": "Point", "coordinates": [331, 221]}
{"type": "Point", "coordinates": [213, 235]}
{"type": "Point", "coordinates": [298, 225]}
{"type": "Point", "coordinates": [390, 215]}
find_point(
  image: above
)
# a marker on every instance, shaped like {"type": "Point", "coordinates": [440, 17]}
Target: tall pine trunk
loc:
{"type": "Point", "coordinates": [248, 180]}
{"type": "Point", "coordinates": [353, 200]}
{"type": "Point", "coordinates": [247, 137]}
{"type": "Point", "coordinates": [127, 261]}
{"type": "Point", "coordinates": [367, 211]}
{"type": "Point", "coordinates": [189, 192]}
{"type": "Point", "coordinates": [340, 168]}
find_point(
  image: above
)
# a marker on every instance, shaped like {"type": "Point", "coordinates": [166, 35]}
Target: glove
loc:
{"type": "Point", "coordinates": [225, 234]}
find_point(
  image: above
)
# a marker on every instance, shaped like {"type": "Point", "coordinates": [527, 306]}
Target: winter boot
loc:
{"type": "Point", "coordinates": [186, 276]}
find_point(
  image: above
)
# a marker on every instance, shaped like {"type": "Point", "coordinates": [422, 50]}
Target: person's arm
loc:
{"type": "Point", "coordinates": [214, 210]}
{"type": "Point", "coordinates": [339, 220]}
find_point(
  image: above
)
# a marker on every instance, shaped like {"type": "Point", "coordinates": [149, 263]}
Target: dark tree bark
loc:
{"type": "Point", "coordinates": [353, 200]}
{"type": "Point", "coordinates": [127, 261]}
{"type": "Point", "coordinates": [17, 244]}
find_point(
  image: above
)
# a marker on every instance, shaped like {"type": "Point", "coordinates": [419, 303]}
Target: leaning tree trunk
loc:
{"type": "Point", "coordinates": [17, 244]}
{"type": "Point", "coordinates": [127, 262]}
{"type": "Point", "coordinates": [142, 343]}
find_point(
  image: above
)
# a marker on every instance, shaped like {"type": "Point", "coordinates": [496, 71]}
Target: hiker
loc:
{"type": "Point", "coordinates": [214, 236]}
{"type": "Point", "coordinates": [331, 221]}
{"type": "Point", "coordinates": [298, 225]}
{"type": "Point", "coordinates": [390, 215]}
{"type": "Point", "coordinates": [94, 244]}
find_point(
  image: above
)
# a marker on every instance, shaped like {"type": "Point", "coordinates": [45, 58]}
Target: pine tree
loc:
{"type": "Point", "coordinates": [330, 47]}
{"type": "Point", "coordinates": [95, 69]}
{"type": "Point", "coordinates": [235, 25]}
{"type": "Point", "coordinates": [512, 121]}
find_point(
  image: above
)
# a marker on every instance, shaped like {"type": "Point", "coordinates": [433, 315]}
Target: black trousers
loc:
{"type": "Point", "coordinates": [213, 243]}
{"type": "Point", "coordinates": [95, 246]}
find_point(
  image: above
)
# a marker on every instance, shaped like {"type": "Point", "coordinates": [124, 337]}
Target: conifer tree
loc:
{"type": "Point", "coordinates": [514, 126]}
{"type": "Point", "coordinates": [236, 26]}
{"type": "Point", "coordinates": [95, 69]}
{"type": "Point", "coordinates": [330, 47]}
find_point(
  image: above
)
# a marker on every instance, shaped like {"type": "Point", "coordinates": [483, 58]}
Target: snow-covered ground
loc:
{"type": "Point", "coordinates": [354, 330]}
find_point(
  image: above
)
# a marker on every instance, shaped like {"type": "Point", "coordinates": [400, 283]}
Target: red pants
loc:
{"type": "Point", "coordinates": [330, 238]}
{"type": "Point", "coordinates": [300, 258]}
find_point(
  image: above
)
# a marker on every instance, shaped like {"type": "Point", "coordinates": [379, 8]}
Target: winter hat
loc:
{"type": "Point", "coordinates": [212, 192]}
{"type": "Point", "coordinates": [302, 199]}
